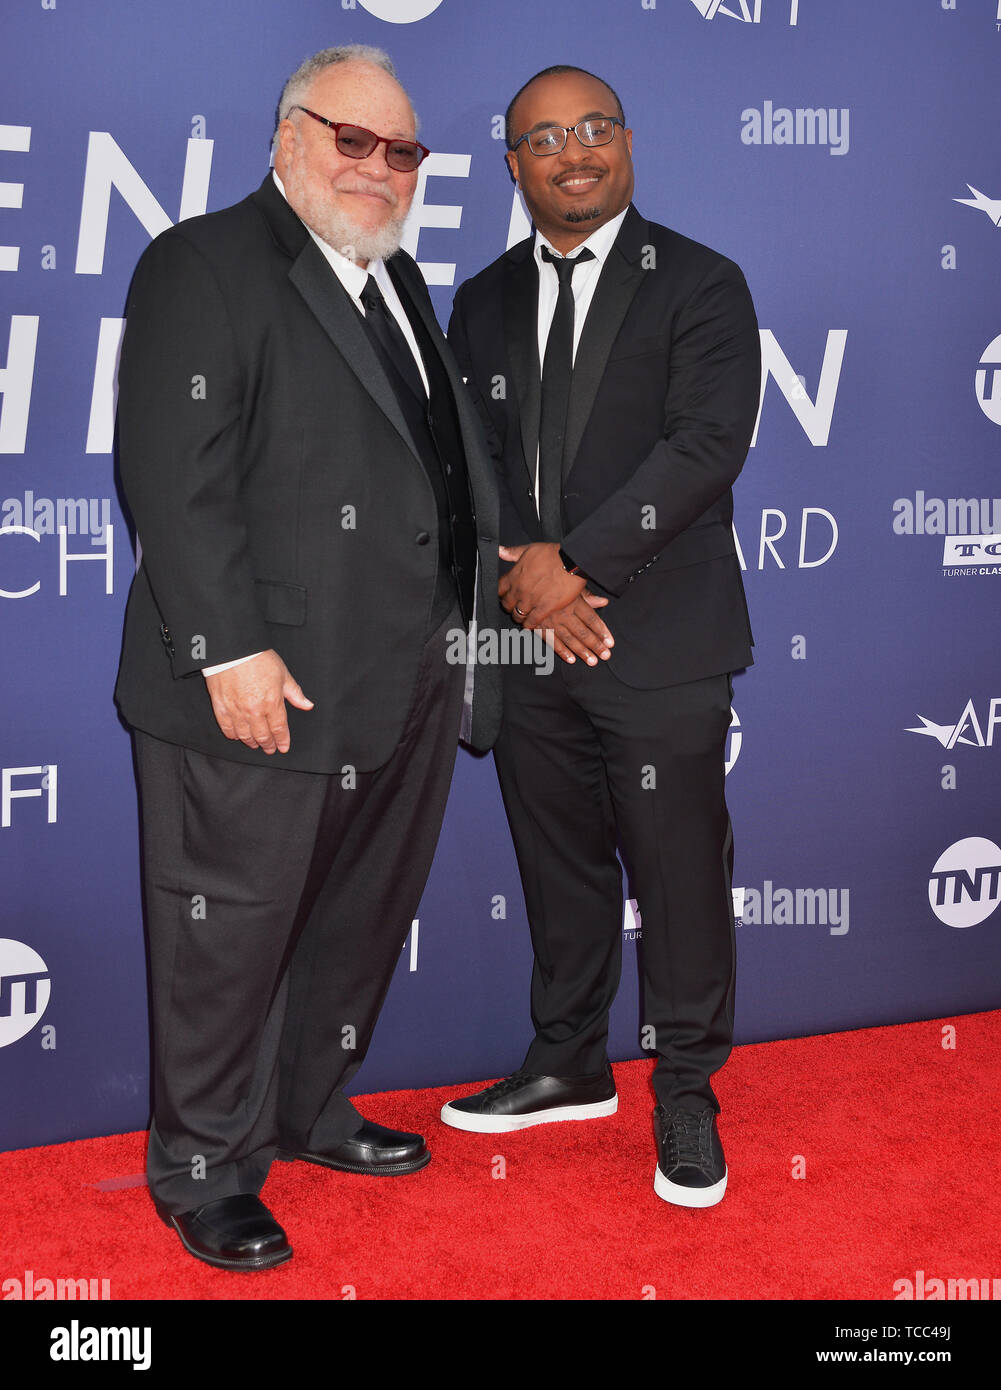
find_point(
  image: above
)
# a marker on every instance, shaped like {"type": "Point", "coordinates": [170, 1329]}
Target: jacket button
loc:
{"type": "Point", "coordinates": [422, 537]}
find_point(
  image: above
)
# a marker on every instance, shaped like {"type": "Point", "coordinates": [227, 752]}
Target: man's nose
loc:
{"type": "Point", "coordinates": [375, 165]}
{"type": "Point", "coordinates": [573, 150]}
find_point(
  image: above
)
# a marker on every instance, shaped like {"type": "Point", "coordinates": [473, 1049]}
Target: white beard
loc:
{"type": "Point", "coordinates": [337, 229]}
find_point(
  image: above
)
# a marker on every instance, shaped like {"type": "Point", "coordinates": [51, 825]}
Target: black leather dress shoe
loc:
{"type": "Point", "coordinates": [523, 1100]}
{"type": "Point", "coordinates": [233, 1233]}
{"type": "Point", "coordinates": [375, 1150]}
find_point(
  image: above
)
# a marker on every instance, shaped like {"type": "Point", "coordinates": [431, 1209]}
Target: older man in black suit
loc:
{"type": "Point", "coordinates": [629, 358]}
{"type": "Point", "coordinates": [302, 463]}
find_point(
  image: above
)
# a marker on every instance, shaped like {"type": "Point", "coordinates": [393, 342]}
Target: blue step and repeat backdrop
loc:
{"type": "Point", "coordinates": [848, 155]}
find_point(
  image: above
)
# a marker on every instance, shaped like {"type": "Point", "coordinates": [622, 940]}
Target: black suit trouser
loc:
{"type": "Point", "coordinates": [588, 765]}
{"type": "Point", "coordinates": [277, 904]}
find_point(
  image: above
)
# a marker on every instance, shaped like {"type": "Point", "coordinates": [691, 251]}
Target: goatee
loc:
{"type": "Point", "coordinates": [581, 214]}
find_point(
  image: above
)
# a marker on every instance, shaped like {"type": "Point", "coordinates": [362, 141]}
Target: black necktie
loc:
{"type": "Point", "coordinates": [388, 335]}
{"type": "Point", "coordinates": [557, 369]}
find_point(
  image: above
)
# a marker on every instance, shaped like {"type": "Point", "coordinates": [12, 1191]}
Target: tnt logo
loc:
{"type": "Point", "coordinates": [989, 381]}
{"type": "Point", "coordinates": [24, 989]}
{"type": "Point", "coordinates": [965, 884]}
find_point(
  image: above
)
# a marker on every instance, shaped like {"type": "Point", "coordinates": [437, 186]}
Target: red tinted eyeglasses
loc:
{"type": "Point", "coordinates": [358, 143]}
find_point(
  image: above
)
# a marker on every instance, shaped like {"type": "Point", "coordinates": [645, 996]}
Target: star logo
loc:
{"type": "Point", "coordinates": [980, 201]}
{"type": "Point", "coordinates": [945, 733]}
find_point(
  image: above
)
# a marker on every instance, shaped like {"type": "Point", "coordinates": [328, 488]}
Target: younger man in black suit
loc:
{"type": "Point", "coordinates": [630, 359]}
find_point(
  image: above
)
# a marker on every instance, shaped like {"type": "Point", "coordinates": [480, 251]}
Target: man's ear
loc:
{"type": "Point", "coordinates": [287, 137]}
{"type": "Point", "coordinates": [511, 160]}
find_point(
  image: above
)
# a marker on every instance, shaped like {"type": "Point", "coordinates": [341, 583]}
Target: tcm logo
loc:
{"type": "Point", "coordinates": [396, 11]}
{"type": "Point", "coordinates": [746, 11]}
{"type": "Point", "coordinates": [980, 201]}
{"type": "Point", "coordinates": [965, 884]}
{"type": "Point", "coordinates": [967, 728]}
{"type": "Point", "coordinates": [973, 554]}
{"type": "Point", "coordinates": [988, 381]}
{"type": "Point", "coordinates": [24, 990]}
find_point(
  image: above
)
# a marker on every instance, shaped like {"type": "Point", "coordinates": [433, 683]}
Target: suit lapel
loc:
{"type": "Point", "coordinates": [340, 320]}
{"type": "Point", "coordinates": [521, 334]}
{"type": "Point", "coordinates": [329, 302]}
{"type": "Point", "coordinates": [620, 278]}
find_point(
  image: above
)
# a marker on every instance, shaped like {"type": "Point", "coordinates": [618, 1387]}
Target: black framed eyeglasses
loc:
{"type": "Point", "coordinates": [591, 131]}
{"type": "Point", "coordinates": [358, 143]}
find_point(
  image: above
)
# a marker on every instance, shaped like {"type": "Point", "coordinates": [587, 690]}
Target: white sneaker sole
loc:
{"type": "Point", "coordinates": [689, 1196]}
{"type": "Point", "coordinates": [499, 1124]}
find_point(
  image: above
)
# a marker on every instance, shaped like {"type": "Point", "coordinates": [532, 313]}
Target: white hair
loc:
{"type": "Point", "coordinates": [298, 84]}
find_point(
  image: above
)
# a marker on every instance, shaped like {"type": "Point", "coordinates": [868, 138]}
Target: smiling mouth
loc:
{"type": "Point", "coordinates": [369, 193]}
{"type": "Point", "coordinates": [575, 183]}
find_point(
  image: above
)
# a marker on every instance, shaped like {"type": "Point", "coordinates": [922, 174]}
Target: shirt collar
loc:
{"type": "Point", "coordinates": [351, 276]}
{"type": "Point", "coordinates": [599, 243]}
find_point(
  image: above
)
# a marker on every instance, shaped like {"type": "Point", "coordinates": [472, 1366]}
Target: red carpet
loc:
{"type": "Point", "coordinates": [892, 1132]}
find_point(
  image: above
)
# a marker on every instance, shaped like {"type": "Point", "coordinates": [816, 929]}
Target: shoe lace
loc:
{"type": "Point", "coordinates": [510, 1083]}
{"type": "Point", "coordinates": [685, 1139]}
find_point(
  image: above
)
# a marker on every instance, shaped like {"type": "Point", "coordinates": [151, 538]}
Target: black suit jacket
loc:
{"type": "Point", "coordinates": [664, 397]}
{"type": "Point", "coordinates": [278, 495]}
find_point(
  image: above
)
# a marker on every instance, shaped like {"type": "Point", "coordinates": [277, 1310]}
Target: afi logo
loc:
{"type": "Point", "coordinates": [24, 989]}
{"type": "Point", "coordinates": [398, 11]}
{"type": "Point", "coordinates": [967, 728]}
{"type": "Point", "coordinates": [746, 11]}
{"type": "Point", "coordinates": [965, 885]}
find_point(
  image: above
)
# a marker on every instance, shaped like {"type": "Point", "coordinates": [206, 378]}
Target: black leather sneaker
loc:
{"type": "Point", "coordinates": [691, 1169]}
{"type": "Point", "coordinates": [523, 1100]}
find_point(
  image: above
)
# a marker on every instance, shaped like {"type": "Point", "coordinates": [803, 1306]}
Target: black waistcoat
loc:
{"type": "Point", "coordinates": [434, 424]}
